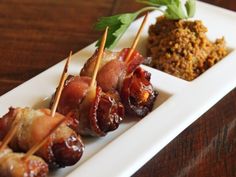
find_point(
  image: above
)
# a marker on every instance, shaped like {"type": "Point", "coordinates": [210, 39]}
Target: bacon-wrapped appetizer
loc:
{"type": "Point", "coordinates": [13, 165]}
{"type": "Point", "coordinates": [63, 148]}
{"type": "Point", "coordinates": [96, 112]}
{"type": "Point", "coordinates": [113, 68]}
{"type": "Point", "coordinates": [137, 93]}
{"type": "Point", "coordinates": [132, 82]}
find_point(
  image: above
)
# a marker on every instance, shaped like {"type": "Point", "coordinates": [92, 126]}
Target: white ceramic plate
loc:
{"type": "Point", "coordinates": [125, 150]}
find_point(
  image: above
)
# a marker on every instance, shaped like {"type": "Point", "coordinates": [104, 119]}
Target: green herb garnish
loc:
{"type": "Point", "coordinates": [118, 24]}
{"type": "Point", "coordinates": [190, 6]}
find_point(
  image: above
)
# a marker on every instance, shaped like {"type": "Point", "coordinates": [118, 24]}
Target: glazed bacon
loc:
{"type": "Point", "coordinates": [132, 82]}
{"type": "Point", "coordinates": [63, 148]}
{"type": "Point", "coordinates": [74, 91]}
{"type": "Point", "coordinates": [12, 165]}
{"type": "Point", "coordinates": [137, 93]}
{"type": "Point", "coordinates": [113, 68]}
{"type": "Point", "coordinates": [100, 113]}
{"type": "Point", "coordinates": [96, 112]}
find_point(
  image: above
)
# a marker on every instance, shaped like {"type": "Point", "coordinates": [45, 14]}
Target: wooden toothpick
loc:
{"type": "Point", "coordinates": [60, 87]}
{"type": "Point", "coordinates": [9, 135]}
{"type": "Point", "coordinates": [137, 37]}
{"type": "Point", "coordinates": [38, 145]}
{"type": "Point", "coordinates": [100, 54]}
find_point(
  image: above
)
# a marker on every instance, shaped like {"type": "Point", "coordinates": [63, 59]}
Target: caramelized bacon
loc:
{"type": "Point", "coordinates": [63, 148]}
{"type": "Point", "coordinates": [100, 113]}
{"type": "Point", "coordinates": [96, 113]}
{"type": "Point", "coordinates": [74, 91]}
{"type": "Point", "coordinates": [110, 110]}
{"type": "Point", "coordinates": [137, 93]}
{"type": "Point", "coordinates": [88, 68]}
{"type": "Point", "coordinates": [113, 69]}
{"type": "Point", "coordinates": [12, 165]}
{"type": "Point", "coordinates": [132, 82]}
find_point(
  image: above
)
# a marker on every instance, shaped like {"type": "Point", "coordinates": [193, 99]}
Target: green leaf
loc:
{"type": "Point", "coordinates": [190, 6]}
{"type": "Point", "coordinates": [118, 24]}
{"type": "Point", "coordinates": [157, 3]}
{"type": "Point", "coordinates": [175, 11]}
{"type": "Point", "coordinates": [173, 8]}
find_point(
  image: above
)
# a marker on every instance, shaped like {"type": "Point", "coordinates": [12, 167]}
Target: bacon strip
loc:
{"type": "Point", "coordinates": [12, 165]}
{"type": "Point", "coordinates": [64, 147]}
{"type": "Point", "coordinates": [97, 113]}
{"type": "Point", "coordinates": [132, 83]}
{"type": "Point", "coordinates": [113, 69]}
{"type": "Point", "coordinates": [72, 94]}
{"type": "Point", "coordinates": [100, 113]}
{"type": "Point", "coordinates": [137, 93]}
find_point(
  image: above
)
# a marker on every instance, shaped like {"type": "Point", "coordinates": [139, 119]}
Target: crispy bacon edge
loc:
{"type": "Point", "coordinates": [56, 152]}
{"type": "Point", "coordinates": [137, 93]}
{"type": "Point", "coordinates": [96, 116]}
{"type": "Point", "coordinates": [92, 120]}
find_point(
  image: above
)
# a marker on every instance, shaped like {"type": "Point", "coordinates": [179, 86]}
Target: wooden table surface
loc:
{"type": "Point", "coordinates": [37, 34]}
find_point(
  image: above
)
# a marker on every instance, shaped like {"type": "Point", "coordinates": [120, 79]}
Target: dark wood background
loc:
{"type": "Point", "coordinates": [37, 34]}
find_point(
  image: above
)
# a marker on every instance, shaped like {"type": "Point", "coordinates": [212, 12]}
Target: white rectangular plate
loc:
{"type": "Point", "coordinates": [180, 103]}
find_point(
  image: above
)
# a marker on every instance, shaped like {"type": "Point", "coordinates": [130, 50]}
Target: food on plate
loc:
{"type": "Point", "coordinates": [13, 165]}
{"type": "Point", "coordinates": [63, 148]}
{"type": "Point", "coordinates": [118, 24]}
{"type": "Point", "coordinates": [96, 112]}
{"type": "Point", "coordinates": [121, 72]}
{"type": "Point", "coordinates": [43, 131]}
{"type": "Point", "coordinates": [127, 78]}
{"type": "Point", "coordinates": [175, 45]}
{"type": "Point", "coordinates": [89, 108]}
{"type": "Point", "coordinates": [181, 48]}
{"type": "Point", "coordinates": [96, 115]}
{"type": "Point", "coordinates": [137, 93]}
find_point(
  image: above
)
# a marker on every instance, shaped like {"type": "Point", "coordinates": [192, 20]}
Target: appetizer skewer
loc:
{"type": "Point", "coordinates": [20, 165]}
{"type": "Point", "coordinates": [97, 112]}
{"type": "Point", "coordinates": [12, 164]}
{"type": "Point", "coordinates": [120, 71]}
{"type": "Point", "coordinates": [63, 148]}
{"type": "Point", "coordinates": [41, 142]}
{"type": "Point", "coordinates": [90, 111]}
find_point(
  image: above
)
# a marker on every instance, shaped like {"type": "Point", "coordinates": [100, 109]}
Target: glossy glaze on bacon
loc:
{"type": "Point", "coordinates": [137, 93]}
{"type": "Point", "coordinates": [100, 113]}
{"type": "Point", "coordinates": [63, 148]}
{"type": "Point", "coordinates": [74, 91]}
{"type": "Point", "coordinates": [113, 68]}
{"type": "Point", "coordinates": [12, 165]}
{"type": "Point", "coordinates": [95, 111]}
{"type": "Point", "coordinates": [132, 82]}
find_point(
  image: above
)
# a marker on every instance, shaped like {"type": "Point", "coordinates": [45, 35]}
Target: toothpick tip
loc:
{"type": "Point", "coordinates": [137, 37]}
{"type": "Point", "coordinates": [61, 85]}
{"type": "Point", "coordinates": [99, 58]}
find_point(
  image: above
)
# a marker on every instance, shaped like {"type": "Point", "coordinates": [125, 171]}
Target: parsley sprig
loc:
{"type": "Point", "coordinates": [118, 24]}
